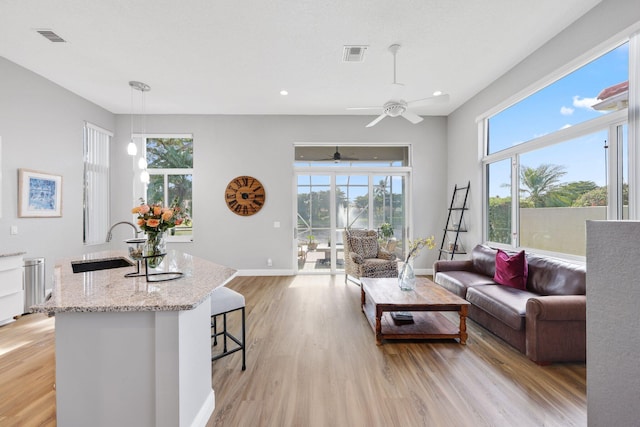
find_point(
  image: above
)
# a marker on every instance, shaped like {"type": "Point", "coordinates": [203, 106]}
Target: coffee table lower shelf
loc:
{"type": "Point", "coordinates": [425, 325]}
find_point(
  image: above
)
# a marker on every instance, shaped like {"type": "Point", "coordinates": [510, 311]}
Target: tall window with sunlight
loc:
{"type": "Point", "coordinates": [563, 149]}
{"type": "Point", "coordinates": [170, 167]}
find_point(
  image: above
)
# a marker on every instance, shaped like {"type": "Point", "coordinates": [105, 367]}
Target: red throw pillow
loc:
{"type": "Point", "coordinates": [511, 270]}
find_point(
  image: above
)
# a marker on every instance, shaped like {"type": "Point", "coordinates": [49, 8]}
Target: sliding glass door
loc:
{"type": "Point", "coordinates": [329, 203]}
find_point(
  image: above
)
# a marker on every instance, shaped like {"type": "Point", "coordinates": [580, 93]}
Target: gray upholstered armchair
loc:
{"type": "Point", "coordinates": [363, 256]}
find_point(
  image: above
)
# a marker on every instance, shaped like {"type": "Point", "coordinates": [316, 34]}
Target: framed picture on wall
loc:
{"type": "Point", "coordinates": [39, 194]}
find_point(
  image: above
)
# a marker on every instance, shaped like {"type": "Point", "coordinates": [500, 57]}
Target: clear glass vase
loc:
{"type": "Point", "coordinates": [155, 248]}
{"type": "Point", "coordinates": [407, 278]}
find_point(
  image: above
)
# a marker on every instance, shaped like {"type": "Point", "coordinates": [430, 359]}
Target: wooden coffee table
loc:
{"type": "Point", "coordinates": [380, 297]}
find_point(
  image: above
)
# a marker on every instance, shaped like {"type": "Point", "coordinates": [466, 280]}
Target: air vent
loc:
{"type": "Point", "coordinates": [51, 36]}
{"type": "Point", "coordinates": [353, 53]}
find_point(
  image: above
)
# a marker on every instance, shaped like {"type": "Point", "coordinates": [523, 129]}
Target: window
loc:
{"type": "Point", "coordinates": [559, 158]}
{"type": "Point", "coordinates": [351, 156]}
{"type": "Point", "coordinates": [95, 217]}
{"type": "Point", "coordinates": [499, 207]}
{"type": "Point", "coordinates": [366, 188]}
{"type": "Point", "coordinates": [564, 103]}
{"type": "Point", "coordinates": [557, 198]}
{"type": "Point", "coordinates": [170, 166]}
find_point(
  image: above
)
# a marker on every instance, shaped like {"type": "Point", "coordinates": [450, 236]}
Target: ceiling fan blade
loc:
{"type": "Point", "coordinates": [430, 100]}
{"type": "Point", "coordinates": [376, 120]}
{"type": "Point", "coordinates": [412, 117]}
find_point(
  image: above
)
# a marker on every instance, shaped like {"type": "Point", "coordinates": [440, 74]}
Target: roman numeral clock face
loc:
{"type": "Point", "coordinates": [244, 195]}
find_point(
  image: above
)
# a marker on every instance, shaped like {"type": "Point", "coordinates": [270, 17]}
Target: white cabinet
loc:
{"type": "Point", "coordinates": [11, 287]}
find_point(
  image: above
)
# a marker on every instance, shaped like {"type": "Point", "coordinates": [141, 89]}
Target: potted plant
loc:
{"type": "Point", "coordinates": [312, 244]}
{"type": "Point", "coordinates": [385, 231]}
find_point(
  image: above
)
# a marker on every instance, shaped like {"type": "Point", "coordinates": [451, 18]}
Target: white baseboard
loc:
{"type": "Point", "coordinates": [269, 272]}
{"type": "Point", "coordinates": [289, 272]}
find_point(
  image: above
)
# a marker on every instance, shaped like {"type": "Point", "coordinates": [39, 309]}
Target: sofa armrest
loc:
{"type": "Point", "coordinates": [556, 329]}
{"type": "Point", "coordinates": [452, 265]}
{"type": "Point", "coordinates": [557, 308]}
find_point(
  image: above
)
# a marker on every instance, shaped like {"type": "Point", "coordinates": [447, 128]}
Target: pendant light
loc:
{"type": "Point", "coordinates": [142, 163]}
{"type": "Point", "coordinates": [132, 148]}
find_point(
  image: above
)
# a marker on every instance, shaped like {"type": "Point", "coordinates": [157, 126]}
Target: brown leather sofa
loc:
{"type": "Point", "coordinates": [547, 321]}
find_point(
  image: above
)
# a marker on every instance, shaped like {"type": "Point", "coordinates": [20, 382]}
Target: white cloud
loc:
{"type": "Point", "coordinates": [584, 102]}
{"type": "Point", "coordinates": [566, 126]}
{"type": "Point", "coordinates": [566, 111]}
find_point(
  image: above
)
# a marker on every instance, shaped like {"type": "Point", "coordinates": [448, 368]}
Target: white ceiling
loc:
{"type": "Point", "coordinates": [234, 57]}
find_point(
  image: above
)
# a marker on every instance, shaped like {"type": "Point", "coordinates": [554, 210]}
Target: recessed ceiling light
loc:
{"type": "Point", "coordinates": [437, 93]}
{"type": "Point", "coordinates": [284, 92]}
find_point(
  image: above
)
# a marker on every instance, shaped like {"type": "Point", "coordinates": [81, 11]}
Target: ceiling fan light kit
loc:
{"type": "Point", "coordinates": [399, 107]}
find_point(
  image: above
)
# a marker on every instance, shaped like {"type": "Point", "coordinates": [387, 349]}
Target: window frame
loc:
{"type": "Point", "coordinates": [142, 138]}
{"type": "Point", "coordinates": [92, 233]}
{"type": "Point", "coordinates": [609, 122]}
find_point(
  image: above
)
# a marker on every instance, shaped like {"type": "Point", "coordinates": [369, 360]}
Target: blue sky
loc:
{"type": "Point", "coordinates": [564, 103]}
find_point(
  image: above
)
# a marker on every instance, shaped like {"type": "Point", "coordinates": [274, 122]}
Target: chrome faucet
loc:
{"type": "Point", "coordinates": [109, 236]}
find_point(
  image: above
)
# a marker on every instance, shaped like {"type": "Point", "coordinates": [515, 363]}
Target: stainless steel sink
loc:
{"type": "Point", "coordinates": [100, 264]}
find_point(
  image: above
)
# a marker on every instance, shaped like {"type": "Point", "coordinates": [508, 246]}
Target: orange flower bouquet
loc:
{"type": "Point", "coordinates": [155, 217]}
{"type": "Point", "coordinates": [154, 220]}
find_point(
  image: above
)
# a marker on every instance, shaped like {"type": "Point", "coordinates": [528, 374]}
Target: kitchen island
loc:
{"type": "Point", "coordinates": [131, 352]}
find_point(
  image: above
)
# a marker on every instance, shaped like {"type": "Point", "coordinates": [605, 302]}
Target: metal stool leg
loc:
{"type": "Point", "coordinates": [244, 341]}
{"type": "Point", "coordinates": [224, 320]}
{"type": "Point", "coordinates": [215, 330]}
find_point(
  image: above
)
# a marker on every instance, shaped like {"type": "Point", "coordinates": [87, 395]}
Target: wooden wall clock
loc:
{"type": "Point", "coordinates": [244, 195]}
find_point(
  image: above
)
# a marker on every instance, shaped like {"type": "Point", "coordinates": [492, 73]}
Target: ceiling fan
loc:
{"type": "Point", "coordinates": [398, 106]}
{"type": "Point", "coordinates": [337, 157]}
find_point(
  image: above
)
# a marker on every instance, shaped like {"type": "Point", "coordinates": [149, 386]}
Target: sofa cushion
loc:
{"type": "Point", "coordinates": [506, 304]}
{"type": "Point", "coordinates": [484, 260]}
{"type": "Point", "coordinates": [511, 270]}
{"type": "Point", "coordinates": [552, 276]}
{"type": "Point", "coordinates": [458, 281]}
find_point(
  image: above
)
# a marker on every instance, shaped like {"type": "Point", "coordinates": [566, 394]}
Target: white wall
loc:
{"type": "Point", "coordinates": [41, 125]}
{"type": "Point", "coordinates": [596, 27]}
{"type": "Point", "coordinates": [262, 146]}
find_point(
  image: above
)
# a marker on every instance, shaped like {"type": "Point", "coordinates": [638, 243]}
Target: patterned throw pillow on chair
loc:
{"type": "Point", "coordinates": [356, 245]}
{"type": "Point", "coordinates": [369, 247]}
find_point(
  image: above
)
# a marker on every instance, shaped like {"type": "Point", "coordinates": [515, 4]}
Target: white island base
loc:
{"type": "Point", "coordinates": [134, 368]}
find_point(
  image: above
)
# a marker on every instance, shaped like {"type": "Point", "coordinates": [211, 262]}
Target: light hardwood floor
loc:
{"type": "Point", "coordinates": [312, 361]}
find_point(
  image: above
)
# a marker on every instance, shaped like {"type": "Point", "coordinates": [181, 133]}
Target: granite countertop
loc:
{"type": "Point", "coordinates": [110, 291]}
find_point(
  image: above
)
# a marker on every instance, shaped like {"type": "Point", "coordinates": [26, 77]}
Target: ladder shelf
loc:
{"type": "Point", "coordinates": [451, 245]}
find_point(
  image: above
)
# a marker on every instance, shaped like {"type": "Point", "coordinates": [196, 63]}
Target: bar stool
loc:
{"type": "Point", "coordinates": [224, 301]}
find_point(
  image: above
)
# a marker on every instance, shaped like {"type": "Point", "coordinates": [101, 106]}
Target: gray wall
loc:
{"type": "Point", "coordinates": [262, 146]}
{"type": "Point", "coordinates": [600, 24]}
{"type": "Point", "coordinates": [41, 128]}
{"type": "Point", "coordinates": [41, 125]}
{"type": "Point", "coordinates": [613, 342]}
